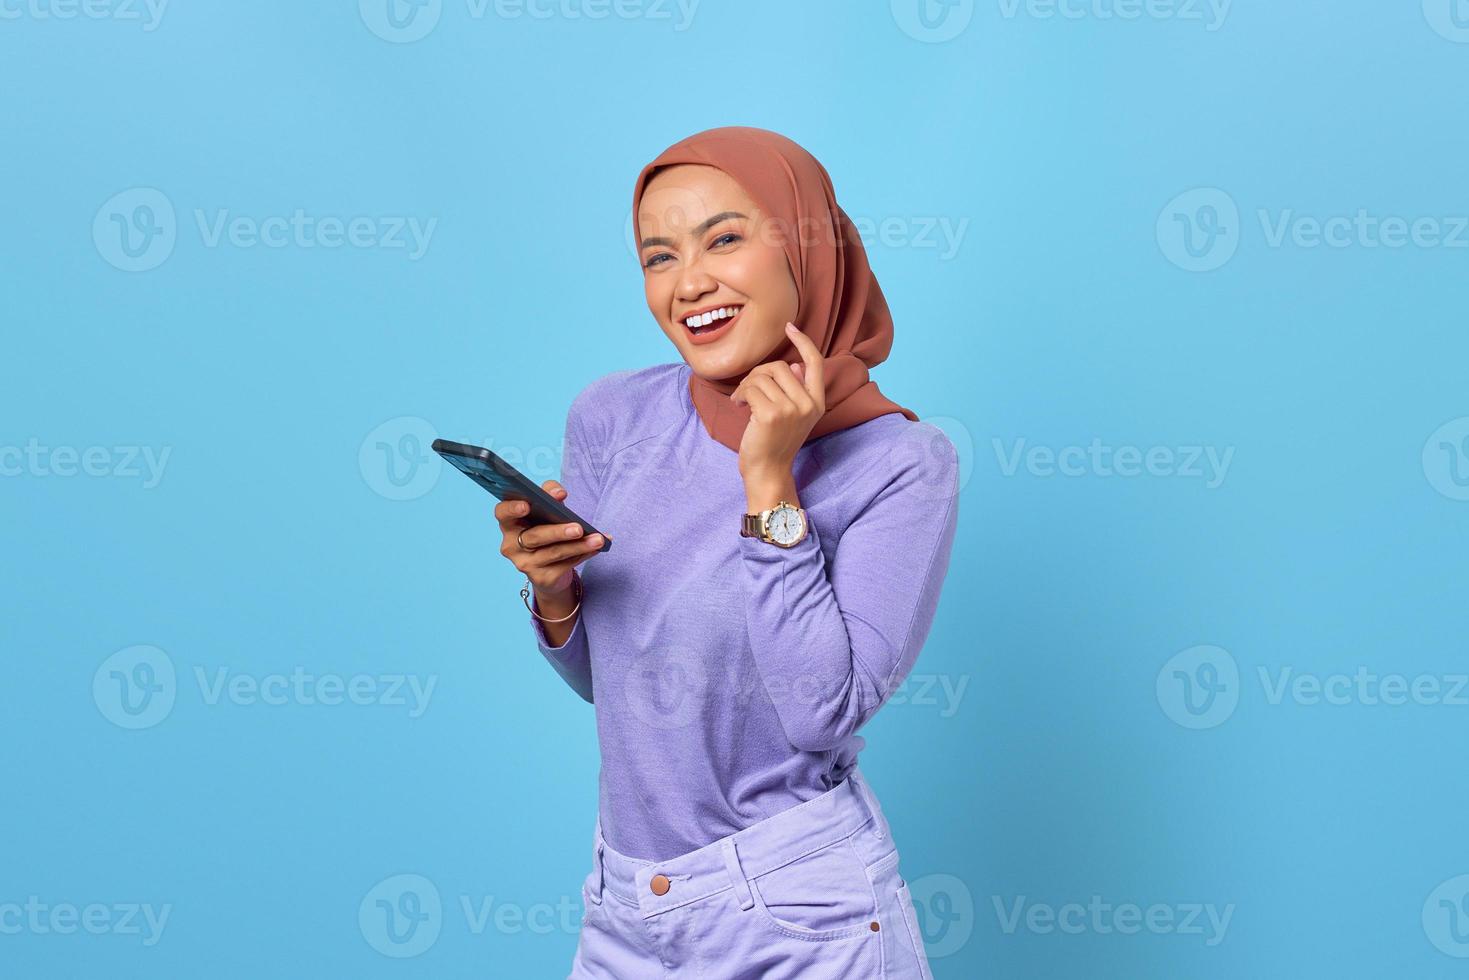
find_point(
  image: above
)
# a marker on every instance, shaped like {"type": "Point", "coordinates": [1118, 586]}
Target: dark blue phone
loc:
{"type": "Point", "coordinates": [507, 483]}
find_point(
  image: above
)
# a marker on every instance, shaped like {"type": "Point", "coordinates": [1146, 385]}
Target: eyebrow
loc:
{"type": "Point", "coordinates": [704, 226]}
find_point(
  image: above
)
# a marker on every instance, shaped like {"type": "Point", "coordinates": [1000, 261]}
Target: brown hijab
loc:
{"type": "Point", "coordinates": [841, 307]}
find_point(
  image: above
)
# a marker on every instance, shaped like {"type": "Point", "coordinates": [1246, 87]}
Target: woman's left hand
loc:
{"type": "Point", "coordinates": [785, 402]}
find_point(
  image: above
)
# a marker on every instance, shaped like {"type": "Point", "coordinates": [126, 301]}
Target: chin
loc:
{"type": "Point", "coordinates": [710, 364]}
{"type": "Point", "coordinates": [715, 368]}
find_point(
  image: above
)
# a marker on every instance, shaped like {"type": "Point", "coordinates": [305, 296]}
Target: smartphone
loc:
{"type": "Point", "coordinates": [507, 483]}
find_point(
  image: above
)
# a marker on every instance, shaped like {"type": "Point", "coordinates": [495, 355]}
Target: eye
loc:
{"type": "Point", "coordinates": [654, 260]}
{"type": "Point", "coordinates": [734, 236]}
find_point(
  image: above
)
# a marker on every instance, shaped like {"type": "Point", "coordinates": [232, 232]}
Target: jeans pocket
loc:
{"type": "Point", "coordinates": [821, 896]}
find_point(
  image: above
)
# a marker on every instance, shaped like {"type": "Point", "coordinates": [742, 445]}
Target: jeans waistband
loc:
{"type": "Point", "coordinates": [839, 813]}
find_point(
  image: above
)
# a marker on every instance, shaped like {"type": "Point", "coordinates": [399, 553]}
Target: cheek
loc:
{"type": "Point", "coordinates": [775, 271]}
{"type": "Point", "coordinates": [762, 274]}
{"type": "Point", "coordinates": [658, 297]}
{"type": "Point", "coordinates": [658, 290]}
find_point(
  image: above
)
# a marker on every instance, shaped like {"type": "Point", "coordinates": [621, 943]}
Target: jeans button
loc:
{"type": "Point", "coordinates": [659, 884]}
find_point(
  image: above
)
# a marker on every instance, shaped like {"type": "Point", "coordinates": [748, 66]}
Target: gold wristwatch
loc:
{"type": "Point", "coordinates": [783, 525]}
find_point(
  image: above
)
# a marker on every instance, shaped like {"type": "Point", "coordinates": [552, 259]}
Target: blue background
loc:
{"type": "Point", "coordinates": [1074, 764]}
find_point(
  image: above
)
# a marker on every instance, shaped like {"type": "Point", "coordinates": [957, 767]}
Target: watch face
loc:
{"type": "Point", "coordinates": [785, 525]}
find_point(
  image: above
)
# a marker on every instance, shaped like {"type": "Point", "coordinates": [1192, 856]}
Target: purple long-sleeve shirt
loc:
{"type": "Point", "coordinates": [730, 675]}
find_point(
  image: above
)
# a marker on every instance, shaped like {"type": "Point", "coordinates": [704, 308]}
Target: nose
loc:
{"type": "Point", "coordinates": [694, 282]}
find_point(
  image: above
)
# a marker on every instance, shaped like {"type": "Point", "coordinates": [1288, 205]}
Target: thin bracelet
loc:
{"type": "Point", "coordinates": [576, 588]}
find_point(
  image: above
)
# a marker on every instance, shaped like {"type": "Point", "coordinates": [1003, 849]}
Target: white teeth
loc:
{"type": "Point", "coordinates": [705, 319]}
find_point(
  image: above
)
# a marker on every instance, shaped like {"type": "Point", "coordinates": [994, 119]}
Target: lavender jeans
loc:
{"type": "Point", "coordinates": [812, 892]}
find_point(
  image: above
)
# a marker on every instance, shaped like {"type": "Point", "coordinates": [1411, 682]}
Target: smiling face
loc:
{"type": "Point", "coordinates": [708, 249]}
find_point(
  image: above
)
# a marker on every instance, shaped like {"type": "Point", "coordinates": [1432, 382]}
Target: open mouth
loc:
{"type": "Point", "coordinates": [713, 321]}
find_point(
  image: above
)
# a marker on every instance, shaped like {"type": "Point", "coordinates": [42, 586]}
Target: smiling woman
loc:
{"type": "Point", "coordinates": [746, 217]}
{"type": "Point", "coordinates": [783, 534]}
{"type": "Point", "coordinates": [707, 247]}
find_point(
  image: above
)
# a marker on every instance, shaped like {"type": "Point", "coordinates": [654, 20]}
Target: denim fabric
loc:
{"type": "Point", "coordinates": [812, 892]}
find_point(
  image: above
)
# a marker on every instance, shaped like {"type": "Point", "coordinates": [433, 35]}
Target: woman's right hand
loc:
{"type": "Point", "coordinates": [550, 554]}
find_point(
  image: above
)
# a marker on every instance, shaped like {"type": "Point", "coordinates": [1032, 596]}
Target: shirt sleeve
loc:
{"type": "Point", "coordinates": [582, 480]}
{"type": "Point", "coordinates": [832, 640]}
{"type": "Point", "coordinates": [572, 659]}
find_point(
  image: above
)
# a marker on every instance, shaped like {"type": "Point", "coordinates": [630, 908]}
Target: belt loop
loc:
{"type": "Point", "coordinates": [864, 792]}
{"type": "Point", "coordinates": [594, 890]}
{"type": "Point", "coordinates": [737, 874]}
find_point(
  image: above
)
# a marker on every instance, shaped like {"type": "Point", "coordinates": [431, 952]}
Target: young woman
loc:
{"type": "Point", "coordinates": [782, 533]}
